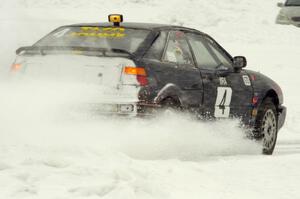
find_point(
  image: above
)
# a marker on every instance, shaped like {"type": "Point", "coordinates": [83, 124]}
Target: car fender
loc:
{"type": "Point", "coordinates": [169, 90]}
{"type": "Point", "coordinates": [263, 86]}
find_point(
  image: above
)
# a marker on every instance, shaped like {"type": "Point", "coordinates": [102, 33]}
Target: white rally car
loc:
{"type": "Point", "coordinates": [289, 13]}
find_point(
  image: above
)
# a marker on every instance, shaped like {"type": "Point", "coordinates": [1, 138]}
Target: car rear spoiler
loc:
{"type": "Point", "coordinates": [43, 50]}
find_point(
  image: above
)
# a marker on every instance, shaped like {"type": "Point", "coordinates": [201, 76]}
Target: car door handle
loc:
{"type": "Point", "coordinates": [196, 86]}
{"type": "Point", "coordinates": [209, 77]}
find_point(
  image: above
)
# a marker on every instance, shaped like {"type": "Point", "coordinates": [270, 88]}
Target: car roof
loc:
{"type": "Point", "coordinates": [149, 26]}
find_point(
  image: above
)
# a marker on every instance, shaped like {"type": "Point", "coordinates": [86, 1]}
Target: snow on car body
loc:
{"type": "Point", "coordinates": [142, 67]}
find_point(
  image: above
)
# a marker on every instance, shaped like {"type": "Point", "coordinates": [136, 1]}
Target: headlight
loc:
{"type": "Point", "coordinates": [283, 17]}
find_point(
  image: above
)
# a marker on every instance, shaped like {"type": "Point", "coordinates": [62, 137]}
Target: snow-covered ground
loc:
{"type": "Point", "coordinates": [49, 152]}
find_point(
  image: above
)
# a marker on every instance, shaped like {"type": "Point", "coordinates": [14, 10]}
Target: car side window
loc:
{"type": "Point", "coordinates": [220, 56]}
{"type": "Point", "coordinates": [157, 48]}
{"type": "Point", "coordinates": [203, 55]}
{"type": "Point", "coordinates": [177, 49]}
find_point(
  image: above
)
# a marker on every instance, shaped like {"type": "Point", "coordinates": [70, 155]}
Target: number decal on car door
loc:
{"type": "Point", "coordinates": [222, 107]}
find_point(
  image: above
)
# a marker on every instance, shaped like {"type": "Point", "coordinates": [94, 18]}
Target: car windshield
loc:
{"type": "Point", "coordinates": [96, 37]}
{"type": "Point", "coordinates": [292, 3]}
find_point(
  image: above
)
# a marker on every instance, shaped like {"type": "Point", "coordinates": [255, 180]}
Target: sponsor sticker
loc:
{"type": "Point", "coordinates": [247, 81]}
{"type": "Point", "coordinates": [223, 81]}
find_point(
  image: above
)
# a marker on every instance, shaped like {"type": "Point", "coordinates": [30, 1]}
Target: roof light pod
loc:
{"type": "Point", "coordinates": [115, 18]}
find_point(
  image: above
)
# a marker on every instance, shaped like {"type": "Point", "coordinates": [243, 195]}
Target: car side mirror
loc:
{"type": "Point", "coordinates": [280, 5]}
{"type": "Point", "coordinates": [239, 62]}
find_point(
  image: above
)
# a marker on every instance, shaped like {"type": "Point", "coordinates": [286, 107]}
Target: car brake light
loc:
{"type": "Point", "coordinates": [142, 80]}
{"type": "Point", "coordinates": [140, 73]}
{"type": "Point", "coordinates": [16, 67]}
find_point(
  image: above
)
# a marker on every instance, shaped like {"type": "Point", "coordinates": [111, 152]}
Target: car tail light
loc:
{"type": "Point", "coordinates": [16, 67]}
{"type": "Point", "coordinates": [142, 80]}
{"type": "Point", "coordinates": [140, 73]}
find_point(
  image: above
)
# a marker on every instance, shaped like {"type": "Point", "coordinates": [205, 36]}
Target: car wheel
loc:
{"type": "Point", "coordinates": [267, 126]}
{"type": "Point", "coordinates": [169, 105]}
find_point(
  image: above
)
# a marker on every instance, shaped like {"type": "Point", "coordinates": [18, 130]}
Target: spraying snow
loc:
{"type": "Point", "coordinates": [48, 111]}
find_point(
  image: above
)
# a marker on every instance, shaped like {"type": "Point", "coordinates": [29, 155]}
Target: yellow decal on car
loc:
{"type": "Point", "coordinates": [111, 32]}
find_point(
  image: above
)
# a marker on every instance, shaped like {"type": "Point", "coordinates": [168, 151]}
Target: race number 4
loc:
{"type": "Point", "coordinates": [222, 107]}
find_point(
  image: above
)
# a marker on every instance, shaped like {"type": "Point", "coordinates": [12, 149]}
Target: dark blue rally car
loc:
{"type": "Point", "coordinates": [140, 68]}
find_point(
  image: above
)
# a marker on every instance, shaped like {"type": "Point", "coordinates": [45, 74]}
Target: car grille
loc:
{"type": "Point", "coordinates": [296, 18]}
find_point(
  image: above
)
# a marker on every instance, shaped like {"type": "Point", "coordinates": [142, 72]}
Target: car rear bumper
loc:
{"type": "Point", "coordinates": [130, 109]}
{"type": "Point", "coordinates": [281, 116]}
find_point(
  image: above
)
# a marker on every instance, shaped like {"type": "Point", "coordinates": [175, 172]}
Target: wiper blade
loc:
{"type": "Point", "coordinates": [117, 50]}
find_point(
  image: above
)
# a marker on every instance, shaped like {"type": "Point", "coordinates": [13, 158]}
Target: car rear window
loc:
{"type": "Point", "coordinates": [96, 37]}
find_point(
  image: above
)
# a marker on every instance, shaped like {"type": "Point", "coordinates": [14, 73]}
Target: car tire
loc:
{"type": "Point", "coordinates": [170, 105]}
{"type": "Point", "coordinates": [267, 125]}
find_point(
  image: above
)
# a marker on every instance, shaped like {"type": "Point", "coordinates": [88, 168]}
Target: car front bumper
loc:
{"type": "Point", "coordinates": [296, 21]}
